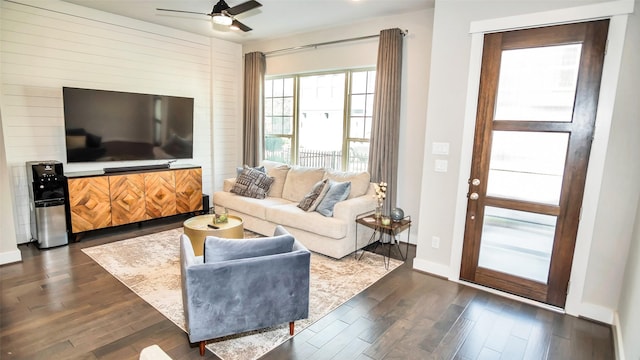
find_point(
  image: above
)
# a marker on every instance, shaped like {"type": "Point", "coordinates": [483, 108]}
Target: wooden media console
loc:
{"type": "Point", "coordinates": [105, 200]}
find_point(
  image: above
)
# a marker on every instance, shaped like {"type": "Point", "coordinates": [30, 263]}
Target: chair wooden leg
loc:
{"type": "Point", "coordinates": [202, 343]}
{"type": "Point", "coordinates": [291, 326]}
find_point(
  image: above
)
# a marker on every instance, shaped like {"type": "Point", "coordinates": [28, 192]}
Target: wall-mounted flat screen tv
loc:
{"type": "Point", "coordinates": [120, 126]}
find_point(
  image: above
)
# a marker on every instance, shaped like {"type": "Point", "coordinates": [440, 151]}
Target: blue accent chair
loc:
{"type": "Point", "coordinates": [240, 285]}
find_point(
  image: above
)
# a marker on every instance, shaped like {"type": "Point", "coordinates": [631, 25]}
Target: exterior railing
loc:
{"type": "Point", "coordinates": [320, 158]}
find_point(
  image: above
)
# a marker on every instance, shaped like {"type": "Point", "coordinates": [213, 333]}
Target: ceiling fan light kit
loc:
{"type": "Point", "coordinates": [224, 15]}
{"type": "Point", "coordinates": [222, 20]}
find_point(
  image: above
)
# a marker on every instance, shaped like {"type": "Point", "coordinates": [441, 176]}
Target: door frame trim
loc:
{"type": "Point", "coordinates": [554, 17]}
{"type": "Point", "coordinates": [617, 13]}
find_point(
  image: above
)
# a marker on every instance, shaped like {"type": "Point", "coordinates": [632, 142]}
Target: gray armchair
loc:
{"type": "Point", "coordinates": [240, 285]}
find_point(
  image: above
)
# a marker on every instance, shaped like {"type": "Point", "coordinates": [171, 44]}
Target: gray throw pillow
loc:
{"type": "Point", "coordinates": [252, 183]}
{"type": "Point", "coordinates": [219, 249]}
{"type": "Point", "coordinates": [338, 191]}
{"type": "Point", "coordinates": [320, 188]}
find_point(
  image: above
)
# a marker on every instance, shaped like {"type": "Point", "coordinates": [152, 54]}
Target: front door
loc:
{"type": "Point", "coordinates": [534, 127]}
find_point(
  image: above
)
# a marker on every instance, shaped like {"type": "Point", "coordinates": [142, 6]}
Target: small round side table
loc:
{"type": "Point", "coordinates": [197, 229]}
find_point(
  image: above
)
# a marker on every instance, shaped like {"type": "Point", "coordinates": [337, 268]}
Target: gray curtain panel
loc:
{"type": "Point", "coordinates": [385, 131]}
{"type": "Point", "coordinates": [255, 66]}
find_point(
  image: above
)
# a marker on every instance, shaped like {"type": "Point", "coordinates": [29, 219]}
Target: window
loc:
{"type": "Point", "coordinates": [320, 120]}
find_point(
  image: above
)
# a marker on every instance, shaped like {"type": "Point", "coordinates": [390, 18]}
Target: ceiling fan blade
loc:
{"type": "Point", "coordinates": [246, 6]}
{"type": "Point", "coordinates": [240, 25]}
{"type": "Point", "coordinates": [183, 11]}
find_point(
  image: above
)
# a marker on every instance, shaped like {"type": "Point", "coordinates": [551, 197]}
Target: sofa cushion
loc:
{"type": "Point", "coordinates": [270, 164]}
{"type": "Point", "coordinates": [310, 201]}
{"type": "Point", "coordinates": [338, 191]}
{"type": "Point", "coordinates": [292, 216]}
{"type": "Point", "coordinates": [360, 181]}
{"type": "Point", "coordinates": [219, 249]}
{"type": "Point", "coordinates": [254, 207]}
{"type": "Point", "coordinates": [279, 175]}
{"type": "Point", "coordinates": [299, 182]}
{"type": "Point", "coordinates": [252, 183]}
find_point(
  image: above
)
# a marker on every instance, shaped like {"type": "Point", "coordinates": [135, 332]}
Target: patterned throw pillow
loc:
{"type": "Point", "coordinates": [312, 199]}
{"type": "Point", "coordinates": [252, 183]}
{"type": "Point", "coordinates": [239, 169]}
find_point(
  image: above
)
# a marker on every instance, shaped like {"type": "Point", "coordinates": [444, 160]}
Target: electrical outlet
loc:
{"type": "Point", "coordinates": [435, 242]}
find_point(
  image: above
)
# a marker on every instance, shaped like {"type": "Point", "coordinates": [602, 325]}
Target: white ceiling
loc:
{"type": "Point", "coordinates": [275, 18]}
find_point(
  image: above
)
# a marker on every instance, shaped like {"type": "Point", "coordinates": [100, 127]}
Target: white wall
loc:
{"type": "Point", "coordinates": [620, 182]}
{"type": "Point", "coordinates": [624, 139]}
{"type": "Point", "coordinates": [56, 44]}
{"type": "Point", "coordinates": [628, 326]}
{"type": "Point", "coordinates": [8, 249]}
{"type": "Point", "coordinates": [417, 50]}
{"type": "Point", "coordinates": [451, 63]}
{"type": "Point", "coordinates": [226, 87]}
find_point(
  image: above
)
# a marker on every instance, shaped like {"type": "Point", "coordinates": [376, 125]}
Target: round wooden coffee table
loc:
{"type": "Point", "coordinates": [197, 229]}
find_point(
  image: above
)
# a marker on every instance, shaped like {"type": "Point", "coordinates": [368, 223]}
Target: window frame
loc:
{"type": "Point", "coordinates": [347, 115]}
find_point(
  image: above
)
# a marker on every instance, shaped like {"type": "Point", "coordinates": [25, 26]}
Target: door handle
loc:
{"type": "Point", "coordinates": [474, 196]}
{"type": "Point", "coordinates": [475, 182]}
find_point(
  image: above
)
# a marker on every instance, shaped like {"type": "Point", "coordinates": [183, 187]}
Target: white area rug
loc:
{"type": "Point", "coordinates": [149, 266]}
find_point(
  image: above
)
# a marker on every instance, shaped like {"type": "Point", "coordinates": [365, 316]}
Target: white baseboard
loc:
{"type": "Point", "coordinates": [597, 313]}
{"type": "Point", "coordinates": [431, 267]}
{"type": "Point", "coordinates": [10, 257]}
{"type": "Point", "coordinates": [618, 344]}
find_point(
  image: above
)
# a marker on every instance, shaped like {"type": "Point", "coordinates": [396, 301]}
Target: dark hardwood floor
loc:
{"type": "Point", "coordinates": [59, 304]}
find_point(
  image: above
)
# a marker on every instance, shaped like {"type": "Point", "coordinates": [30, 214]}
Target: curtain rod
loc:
{"type": "Point", "coordinates": [267, 53]}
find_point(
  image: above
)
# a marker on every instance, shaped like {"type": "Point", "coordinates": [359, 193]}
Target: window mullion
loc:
{"type": "Point", "coordinates": [296, 121]}
{"type": "Point", "coordinates": [347, 120]}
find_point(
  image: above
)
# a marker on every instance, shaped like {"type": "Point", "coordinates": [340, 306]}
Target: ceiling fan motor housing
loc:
{"type": "Point", "coordinates": [220, 7]}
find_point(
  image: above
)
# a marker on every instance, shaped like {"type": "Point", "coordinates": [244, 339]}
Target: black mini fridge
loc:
{"type": "Point", "coordinates": [47, 203]}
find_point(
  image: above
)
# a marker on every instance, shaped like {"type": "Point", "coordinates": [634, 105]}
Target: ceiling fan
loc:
{"type": "Point", "coordinates": [223, 14]}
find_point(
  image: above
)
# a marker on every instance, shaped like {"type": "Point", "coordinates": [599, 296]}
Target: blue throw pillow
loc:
{"type": "Point", "coordinates": [338, 191]}
{"type": "Point", "coordinates": [219, 249]}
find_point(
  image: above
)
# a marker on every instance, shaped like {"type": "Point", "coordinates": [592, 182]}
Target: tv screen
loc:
{"type": "Point", "coordinates": [120, 126]}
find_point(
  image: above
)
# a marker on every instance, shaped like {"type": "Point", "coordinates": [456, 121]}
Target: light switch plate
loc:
{"type": "Point", "coordinates": [441, 165]}
{"type": "Point", "coordinates": [440, 148]}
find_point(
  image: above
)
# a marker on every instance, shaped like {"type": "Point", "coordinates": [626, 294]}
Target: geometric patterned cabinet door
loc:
{"type": "Point", "coordinates": [89, 203]}
{"type": "Point", "coordinates": [127, 199]}
{"type": "Point", "coordinates": [188, 190]}
{"type": "Point", "coordinates": [160, 194]}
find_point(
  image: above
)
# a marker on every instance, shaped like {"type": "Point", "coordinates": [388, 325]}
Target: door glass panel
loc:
{"type": "Point", "coordinates": [538, 84]}
{"type": "Point", "coordinates": [527, 166]}
{"type": "Point", "coordinates": [517, 242]}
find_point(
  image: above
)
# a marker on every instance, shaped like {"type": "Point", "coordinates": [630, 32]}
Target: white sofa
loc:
{"type": "Point", "coordinates": [333, 236]}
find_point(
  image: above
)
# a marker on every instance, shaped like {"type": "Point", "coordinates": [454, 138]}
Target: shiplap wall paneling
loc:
{"type": "Point", "coordinates": [227, 83]}
{"type": "Point", "coordinates": [68, 45]}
